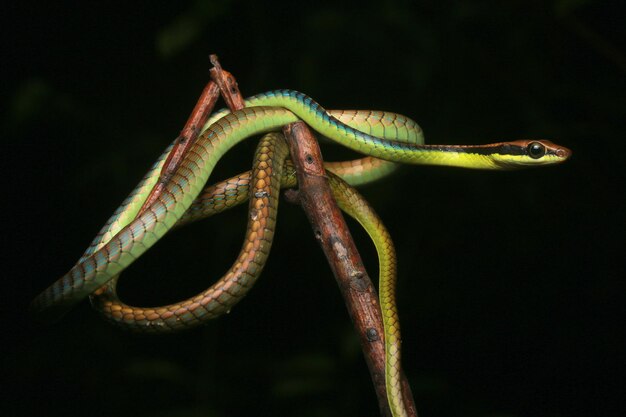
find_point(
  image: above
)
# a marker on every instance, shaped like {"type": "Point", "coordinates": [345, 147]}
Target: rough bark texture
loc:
{"type": "Point", "coordinates": [227, 85]}
{"type": "Point", "coordinates": [221, 81]}
{"type": "Point", "coordinates": [332, 233]}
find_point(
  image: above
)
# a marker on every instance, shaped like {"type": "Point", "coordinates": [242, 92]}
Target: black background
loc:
{"type": "Point", "coordinates": [510, 293]}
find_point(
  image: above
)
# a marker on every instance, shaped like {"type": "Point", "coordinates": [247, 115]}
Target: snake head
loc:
{"type": "Point", "coordinates": [530, 152]}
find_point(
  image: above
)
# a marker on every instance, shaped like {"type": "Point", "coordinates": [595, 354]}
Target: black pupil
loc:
{"type": "Point", "coordinates": [536, 150]}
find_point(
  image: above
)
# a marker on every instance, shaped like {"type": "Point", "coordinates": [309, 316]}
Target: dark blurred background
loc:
{"type": "Point", "coordinates": [509, 289]}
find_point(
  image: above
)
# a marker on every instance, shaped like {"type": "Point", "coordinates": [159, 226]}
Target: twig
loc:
{"type": "Point", "coordinates": [332, 233]}
{"type": "Point", "coordinates": [227, 85]}
{"type": "Point", "coordinates": [221, 81]}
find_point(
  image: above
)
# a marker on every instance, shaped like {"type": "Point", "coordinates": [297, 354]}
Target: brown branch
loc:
{"type": "Point", "coordinates": [332, 233]}
{"type": "Point", "coordinates": [227, 85]}
{"type": "Point", "coordinates": [221, 81]}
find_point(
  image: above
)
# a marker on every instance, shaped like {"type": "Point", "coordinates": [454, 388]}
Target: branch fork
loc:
{"type": "Point", "coordinates": [329, 226]}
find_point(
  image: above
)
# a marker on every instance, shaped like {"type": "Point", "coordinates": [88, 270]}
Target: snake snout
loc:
{"type": "Point", "coordinates": [563, 152]}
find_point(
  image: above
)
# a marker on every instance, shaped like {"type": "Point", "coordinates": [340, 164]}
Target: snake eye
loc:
{"type": "Point", "coordinates": [536, 150]}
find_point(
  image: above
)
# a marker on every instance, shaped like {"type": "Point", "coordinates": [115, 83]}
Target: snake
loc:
{"type": "Point", "coordinates": [128, 234]}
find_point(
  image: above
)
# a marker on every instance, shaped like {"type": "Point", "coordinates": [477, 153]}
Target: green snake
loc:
{"type": "Point", "coordinates": [127, 235]}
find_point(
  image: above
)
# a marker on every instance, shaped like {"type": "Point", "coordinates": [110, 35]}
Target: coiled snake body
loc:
{"type": "Point", "coordinates": [127, 235]}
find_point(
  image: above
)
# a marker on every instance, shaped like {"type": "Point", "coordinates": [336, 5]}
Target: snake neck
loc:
{"type": "Point", "coordinates": [500, 156]}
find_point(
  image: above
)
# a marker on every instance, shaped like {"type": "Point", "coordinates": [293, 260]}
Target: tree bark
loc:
{"type": "Point", "coordinates": [221, 81]}
{"type": "Point", "coordinates": [331, 232]}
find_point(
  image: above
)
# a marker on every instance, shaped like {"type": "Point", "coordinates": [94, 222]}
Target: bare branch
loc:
{"type": "Point", "coordinates": [221, 81]}
{"type": "Point", "coordinates": [331, 232]}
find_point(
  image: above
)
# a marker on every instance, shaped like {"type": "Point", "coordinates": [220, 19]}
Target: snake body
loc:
{"type": "Point", "coordinates": [128, 234]}
{"type": "Point", "coordinates": [367, 169]}
{"type": "Point", "coordinates": [222, 295]}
